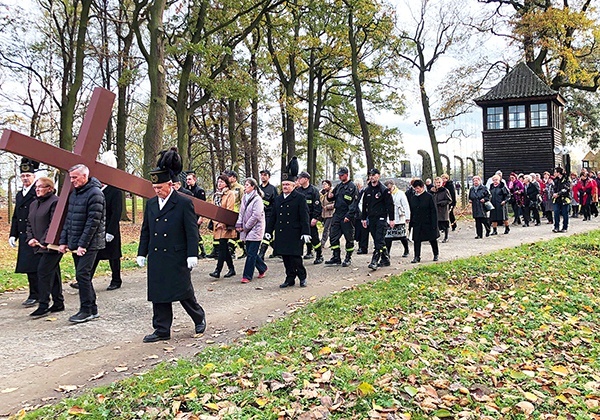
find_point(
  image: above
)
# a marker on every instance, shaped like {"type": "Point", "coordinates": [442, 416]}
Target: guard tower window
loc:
{"type": "Point", "coordinates": [516, 116]}
{"type": "Point", "coordinates": [495, 118]}
{"type": "Point", "coordinates": [539, 115]}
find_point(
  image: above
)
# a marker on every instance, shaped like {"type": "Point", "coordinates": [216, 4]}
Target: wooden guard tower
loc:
{"type": "Point", "coordinates": [522, 124]}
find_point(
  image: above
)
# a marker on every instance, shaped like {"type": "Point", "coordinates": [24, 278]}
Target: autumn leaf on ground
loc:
{"type": "Point", "coordinates": [77, 411]}
{"type": "Point", "coordinates": [365, 389]}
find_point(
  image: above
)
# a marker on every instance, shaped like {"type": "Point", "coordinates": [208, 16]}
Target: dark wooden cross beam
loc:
{"type": "Point", "coordinates": [85, 152]}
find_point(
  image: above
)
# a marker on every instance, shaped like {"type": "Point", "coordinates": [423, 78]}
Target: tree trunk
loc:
{"type": "Point", "coordinates": [158, 91]}
{"type": "Point", "coordinates": [439, 169]}
{"type": "Point", "coordinates": [364, 128]}
{"type": "Point", "coordinates": [233, 147]}
{"type": "Point", "coordinates": [310, 132]}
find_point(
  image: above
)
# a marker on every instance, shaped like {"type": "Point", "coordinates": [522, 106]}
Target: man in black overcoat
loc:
{"type": "Point", "coordinates": [291, 226]}
{"type": "Point", "coordinates": [169, 242]}
{"type": "Point", "coordinates": [27, 260]}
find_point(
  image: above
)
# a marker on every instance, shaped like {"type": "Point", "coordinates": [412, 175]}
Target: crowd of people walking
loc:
{"type": "Point", "coordinates": [288, 222]}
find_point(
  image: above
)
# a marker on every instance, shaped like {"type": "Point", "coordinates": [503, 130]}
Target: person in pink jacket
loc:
{"type": "Point", "coordinates": [251, 225]}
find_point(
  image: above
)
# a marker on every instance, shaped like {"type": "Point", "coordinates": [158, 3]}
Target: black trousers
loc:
{"type": "Point", "coordinates": [49, 280]}
{"type": "Point", "coordinates": [434, 248]}
{"type": "Point", "coordinates": [115, 268]}
{"type": "Point", "coordinates": [32, 279]}
{"type": "Point", "coordinates": [293, 268]}
{"type": "Point", "coordinates": [315, 242]}
{"type": "Point", "coordinates": [378, 226]}
{"type": "Point", "coordinates": [83, 275]}
{"type": "Point", "coordinates": [480, 223]}
{"type": "Point", "coordinates": [224, 255]}
{"type": "Point", "coordinates": [162, 315]}
{"type": "Point", "coordinates": [339, 228]}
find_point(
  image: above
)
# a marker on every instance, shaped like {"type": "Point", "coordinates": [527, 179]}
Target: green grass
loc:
{"type": "Point", "coordinates": [492, 337]}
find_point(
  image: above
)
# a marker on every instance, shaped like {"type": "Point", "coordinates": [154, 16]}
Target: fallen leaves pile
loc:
{"type": "Point", "coordinates": [510, 335]}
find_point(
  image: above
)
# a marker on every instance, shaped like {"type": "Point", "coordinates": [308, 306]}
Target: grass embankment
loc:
{"type": "Point", "coordinates": [512, 335]}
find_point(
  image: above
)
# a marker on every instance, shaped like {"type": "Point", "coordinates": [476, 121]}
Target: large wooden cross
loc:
{"type": "Point", "coordinates": [85, 151]}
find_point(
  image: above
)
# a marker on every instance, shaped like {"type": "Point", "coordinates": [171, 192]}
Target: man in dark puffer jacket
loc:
{"type": "Point", "coordinates": [84, 234]}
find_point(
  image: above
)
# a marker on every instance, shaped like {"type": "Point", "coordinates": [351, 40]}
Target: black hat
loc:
{"type": "Point", "coordinates": [160, 176]}
{"type": "Point", "coordinates": [374, 171]}
{"type": "Point", "coordinates": [342, 171]}
{"type": "Point", "coordinates": [265, 171]}
{"type": "Point", "coordinates": [168, 168]}
{"type": "Point", "coordinates": [291, 171]}
{"type": "Point", "coordinates": [304, 174]}
{"type": "Point", "coordinates": [28, 165]}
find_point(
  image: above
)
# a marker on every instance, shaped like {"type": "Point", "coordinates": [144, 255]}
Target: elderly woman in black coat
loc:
{"type": "Point", "coordinates": [478, 196]}
{"type": "Point", "coordinates": [423, 220]}
{"type": "Point", "coordinates": [499, 196]}
{"type": "Point", "coordinates": [48, 268]}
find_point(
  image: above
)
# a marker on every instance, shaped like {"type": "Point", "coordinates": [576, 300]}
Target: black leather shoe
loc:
{"type": "Point", "coordinates": [39, 312]}
{"type": "Point", "coordinates": [318, 260]}
{"type": "Point", "coordinates": [416, 260]}
{"type": "Point", "coordinates": [201, 327]}
{"type": "Point", "coordinates": [80, 317]}
{"type": "Point", "coordinates": [230, 273]}
{"type": "Point", "coordinates": [286, 284]}
{"type": "Point", "coordinates": [309, 256]}
{"type": "Point", "coordinates": [57, 308]}
{"type": "Point", "coordinates": [29, 302]}
{"type": "Point", "coordinates": [405, 255]}
{"type": "Point", "coordinates": [303, 283]}
{"type": "Point", "coordinates": [153, 338]}
{"type": "Point", "coordinates": [361, 251]}
{"type": "Point", "coordinates": [74, 285]}
{"type": "Point", "coordinates": [215, 274]}
{"type": "Point", "coordinates": [436, 258]}
{"type": "Point", "coordinates": [114, 286]}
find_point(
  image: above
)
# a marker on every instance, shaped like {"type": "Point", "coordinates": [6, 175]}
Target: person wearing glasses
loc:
{"type": "Point", "coordinates": [48, 266]}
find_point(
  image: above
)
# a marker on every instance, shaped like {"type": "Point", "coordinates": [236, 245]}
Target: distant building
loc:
{"type": "Point", "coordinates": [591, 161]}
{"type": "Point", "coordinates": [522, 124]}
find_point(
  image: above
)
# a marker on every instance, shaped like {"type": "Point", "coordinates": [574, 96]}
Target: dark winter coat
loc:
{"type": "Point", "coordinates": [84, 224]}
{"type": "Point", "coordinates": [499, 194]}
{"type": "Point", "coordinates": [475, 196]}
{"type": "Point", "coordinates": [114, 208]}
{"type": "Point", "coordinates": [38, 221]}
{"type": "Point", "coordinates": [449, 185]}
{"type": "Point", "coordinates": [313, 201]}
{"type": "Point", "coordinates": [26, 263]}
{"type": "Point", "coordinates": [346, 201]}
{"type": "Point", "coordinates": [289, 222]}
{"type": "Point", "coordinates": [443, 201]}
{"type": "Point", "coordinates": [423, 217]}
{"type": "Point", "coordinates": [531, 193]}
{"type": "Point", "coordinates": [168, 237]}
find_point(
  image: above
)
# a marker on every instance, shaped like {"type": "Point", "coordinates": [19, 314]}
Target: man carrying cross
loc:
{"type": "Point", "coordinates": [84, 234]}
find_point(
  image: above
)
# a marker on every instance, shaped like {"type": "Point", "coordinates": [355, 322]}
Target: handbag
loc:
{"type": "Point", "coordinates": [396, 232]}
{"type": "Point", "coordinates": [488, 206]}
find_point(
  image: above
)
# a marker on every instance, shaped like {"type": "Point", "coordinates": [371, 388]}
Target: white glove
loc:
{"type": "Point", "coordinates": [306, 238]}
{"type": "Point", "coordinates": [268, 236]}
{"type": "Point", "coordinates": [192, 262]}
{"type": "Point", "coordinates": [141, 261]}
{"type": "Point", "coordinates": [12, 241]}
{"type": "Point", "coordinates": [109, 237]}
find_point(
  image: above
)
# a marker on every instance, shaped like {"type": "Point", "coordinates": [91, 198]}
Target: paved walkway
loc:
{"type": "Point", "coordinates": [47, 359]}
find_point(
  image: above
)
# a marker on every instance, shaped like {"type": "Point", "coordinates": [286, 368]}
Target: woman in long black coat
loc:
{"type": "Point", "coordinates": [423, 220]}
{"type": "Point", "coordinates": [500, 197]}
{"type": "Point", "coordinates": [478, 196]}
{"type": "Point", "coordinates": [112, 251]}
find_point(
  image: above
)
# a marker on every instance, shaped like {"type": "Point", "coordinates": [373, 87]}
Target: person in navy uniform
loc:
{"type": "Point", "coordinates": [313, 200]}
{"type": "Point", "coordinates": [290, 223]}
{"type": "Point", "coordinates": [377, 209]}
{"type": "Point", "coordinates": [345, 195]}
{"type": "Point", "coordinates": [269, 193]}
{"type": "Point", "coordinates": [27, 260]}
{"type": "Point", "coordinates": [169, 243]}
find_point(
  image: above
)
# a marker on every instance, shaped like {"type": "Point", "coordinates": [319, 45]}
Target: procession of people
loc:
{"type": "Point", "coordinates": [287, 220]}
